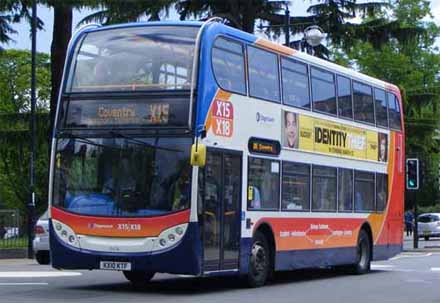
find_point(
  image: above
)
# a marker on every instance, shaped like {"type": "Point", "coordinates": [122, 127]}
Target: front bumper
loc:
{"type": "Point", "coordinates": [185, 258]}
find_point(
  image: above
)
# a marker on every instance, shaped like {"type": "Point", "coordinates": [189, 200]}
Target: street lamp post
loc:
{"type": "Point", "coordinates": [287, 24]}
{"type": "Point", "coordinates": [31, 203]}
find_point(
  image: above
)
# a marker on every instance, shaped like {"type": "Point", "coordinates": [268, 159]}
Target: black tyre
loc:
{"type": "Point", "coordinates": [138, 277]}
{"type": "Point", "coordinates": [363, 254]}
{"type": "Point", "coordinates": [426, 238]}
{"type": "Point", "coordinates": [42, 257]}
{"type": "Point", "coordinates": [259, 261]}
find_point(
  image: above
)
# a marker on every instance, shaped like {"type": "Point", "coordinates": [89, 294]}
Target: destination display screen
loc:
{"type": "Point", "coordinates": [264, 146]}
{"type": "Point", "coordinates": [126, 113]}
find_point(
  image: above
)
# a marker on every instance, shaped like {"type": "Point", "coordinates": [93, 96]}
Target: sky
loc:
{"type": "Point", "coordinates": [44, 37]}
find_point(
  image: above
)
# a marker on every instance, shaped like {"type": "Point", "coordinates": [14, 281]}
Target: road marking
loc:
{"type": "Point", "coordinates": [22, 284]}
{"type": "Point", "coordinates": [435, 268]}
{"type": "Point", "coordinates": [38, 274]}
{"type": "Point", "coordinates": [411, 255]}
{"type": "Point", "coordinates": [381, 266]}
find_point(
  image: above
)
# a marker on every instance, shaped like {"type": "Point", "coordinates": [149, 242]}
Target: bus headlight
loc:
{"type": "Point", "coordinates": [65, 233]}
{"type": "Point", "coordinates": [170, 237]}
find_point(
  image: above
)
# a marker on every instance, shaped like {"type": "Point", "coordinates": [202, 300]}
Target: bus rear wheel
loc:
{"type": "Point", "coordinates": [138, 277]}
{"type": "Point", "coordinates": [259, 261]}
{"type": "Point", "coordinates": [363, 254]}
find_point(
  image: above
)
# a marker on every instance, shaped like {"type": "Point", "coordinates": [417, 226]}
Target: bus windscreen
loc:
{"type": "Point", "coordinates": [133, 59]}
{"type": "Point", "coordinates": [122, 177]}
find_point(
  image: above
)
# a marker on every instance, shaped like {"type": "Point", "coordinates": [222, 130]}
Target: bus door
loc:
{"type": "Point", "coordinates": [220, 193]}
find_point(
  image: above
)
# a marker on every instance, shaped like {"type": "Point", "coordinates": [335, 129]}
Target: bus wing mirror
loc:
{"type": "Point", "coordinates": [198, 155]}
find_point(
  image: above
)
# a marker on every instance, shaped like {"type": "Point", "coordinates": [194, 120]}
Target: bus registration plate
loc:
{"type": "Point", "coordinates": [109, 265]}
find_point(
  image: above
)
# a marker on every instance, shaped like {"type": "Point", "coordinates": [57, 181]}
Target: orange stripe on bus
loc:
{"type": "Point", "coordinates": [276, 47]}
{"type": "Point", "coordinates": [119, 227]}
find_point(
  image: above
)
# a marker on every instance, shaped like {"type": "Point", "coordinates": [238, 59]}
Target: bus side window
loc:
{"type": "Point", "coordinates": [295, 83]}
{"type": "Point", "coordinates": [381, 107]}
{"type": "Point", "coordinates": [228, 65]}
{"type": "Point", "coordinates": [323, 91]}
{"type": "Point", "coordinates": [295, 187]}
{"type": "Point", "coordinates": [345, 190]}
{"type": "Point", "coordinates": [381, 191]}
{"type": "Point", "coordinates": [394, 111]}
{"type": "Point", "coordinates": [345, 100]}
{"type": "Point", "coordinates": [363, 102]}
{"type": "Point", "coordinates": [263, 184]}
{"type": "Point", "coordinates": [324, 188]}
{"type": "Point", "coordinates": [364, 199]}
{"type": "Point", "coordinates": [263, 74]}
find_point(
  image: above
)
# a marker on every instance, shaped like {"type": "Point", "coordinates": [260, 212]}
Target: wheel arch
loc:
{"type": "Point", "coordinates": [366, 226]}
{"type": "Point", "coordinates": [266, 229]}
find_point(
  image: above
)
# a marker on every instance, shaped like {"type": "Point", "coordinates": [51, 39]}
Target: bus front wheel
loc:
{"type": "Point", "coordinates": [138, 277]}
{"type": "Point", "coordinates": [363, 254]}
{"type": "Point", "coordinates": [259, 261]}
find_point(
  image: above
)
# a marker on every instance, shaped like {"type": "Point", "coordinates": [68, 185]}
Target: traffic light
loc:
{"type": "Point", "coordinates": [412, 174]}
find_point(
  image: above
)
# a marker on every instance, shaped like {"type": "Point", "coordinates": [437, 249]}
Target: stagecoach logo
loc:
{"type": "Point", "coordinates": [261, 118]}
{"type": "Point", "coordinates": [100, 226]}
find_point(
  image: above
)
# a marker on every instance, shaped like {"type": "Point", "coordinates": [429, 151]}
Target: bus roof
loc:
{"type": "Point", "coordinates": [304, 57]}
{"type": "Point", "coordinates": [278, 48]}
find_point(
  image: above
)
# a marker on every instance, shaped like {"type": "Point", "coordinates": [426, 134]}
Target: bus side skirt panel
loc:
{"type": "Point", "coordinates": [384, 252]}
{"type": "Point", "coordinates": [297, 259]}
{"type": "Point", "coordinates": [183, 259]}
{"type": "Point", "coordinates": [245, 252]}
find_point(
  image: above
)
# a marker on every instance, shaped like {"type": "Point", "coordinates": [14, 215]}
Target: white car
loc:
{"type": "Point", "coordinates": [41, 240]}
{"type": "Point", "coordinates": [428, 225]}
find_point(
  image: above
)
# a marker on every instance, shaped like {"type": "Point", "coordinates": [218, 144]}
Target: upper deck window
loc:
{"type": "Point", "coordinates": [134, 59]}
{"type": "Point", "coordinates": [394, 111]}
{"type": "Point", "coordinates": [295, 83]}
{"type": "Point", "coordinates": [363, 102]}
{"type": "Point", "coordinates": [345, 103]}
{"type": "Point", "coordinates": [228, 65]}
{"type": "Point", "coordinates": [263, 74]}
{"type": "Point", "coordinates": [381, 108]}
{"type": "Point", "coordinates": [323, 91]}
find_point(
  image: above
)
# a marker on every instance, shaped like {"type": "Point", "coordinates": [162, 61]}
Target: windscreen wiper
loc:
{"type": "Point", "coordinates": [142, 143]}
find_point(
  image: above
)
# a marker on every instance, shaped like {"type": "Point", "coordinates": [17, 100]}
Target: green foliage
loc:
{"type": "Point", "coordinates": [410, 61]}
{"type": "Point", "coordinates": [15, 67]}
{"type": "Point", "coordinates": [15, 79]}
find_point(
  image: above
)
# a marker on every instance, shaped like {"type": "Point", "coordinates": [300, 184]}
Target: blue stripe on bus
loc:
{"type": "Point", "coordinates": [297, 259]}
{"type": "Point", "coordinates": [183, 259]}
{"type": "Point", "coordinates": [207, 86]}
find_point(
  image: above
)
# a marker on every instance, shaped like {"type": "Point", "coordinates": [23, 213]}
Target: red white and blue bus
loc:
{"type": "Point", "coordinates": [195, 148]}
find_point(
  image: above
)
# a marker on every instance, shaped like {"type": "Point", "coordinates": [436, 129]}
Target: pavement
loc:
{"type": "Point", "coordinates": [432, 245]}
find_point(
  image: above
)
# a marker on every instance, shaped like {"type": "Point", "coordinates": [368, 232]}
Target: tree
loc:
{"type": "Point", "coordinates": [241, 14]}
{"type": "Point", "coordinates": [15, 66]}
{"type": "Point", "coordinates": [62, 32]}
{"type": "Point", "coordinates": [111, 12]}
{"type": "Point", "coordinates": [15, 79]}
{"type": "Point", "coordinates": [410, 60]}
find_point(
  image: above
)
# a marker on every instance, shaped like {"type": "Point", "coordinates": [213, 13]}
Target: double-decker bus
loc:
{"type": "Point", "coordinates": [195, 148]}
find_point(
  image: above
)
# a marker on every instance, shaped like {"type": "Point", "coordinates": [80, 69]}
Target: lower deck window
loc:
{"type": "Point", "coordinates": [363, 191]}
{"type": "Point", "coordinates": [381, 191]}
{"type": "Point", "coordinates": [324, 188]}
{"type": "Point", "coordinates": [296, 187]}
{"type": "Point", "coordinates": [345, 190]}
{"type": "Point", "coordinates": [263, 184]}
